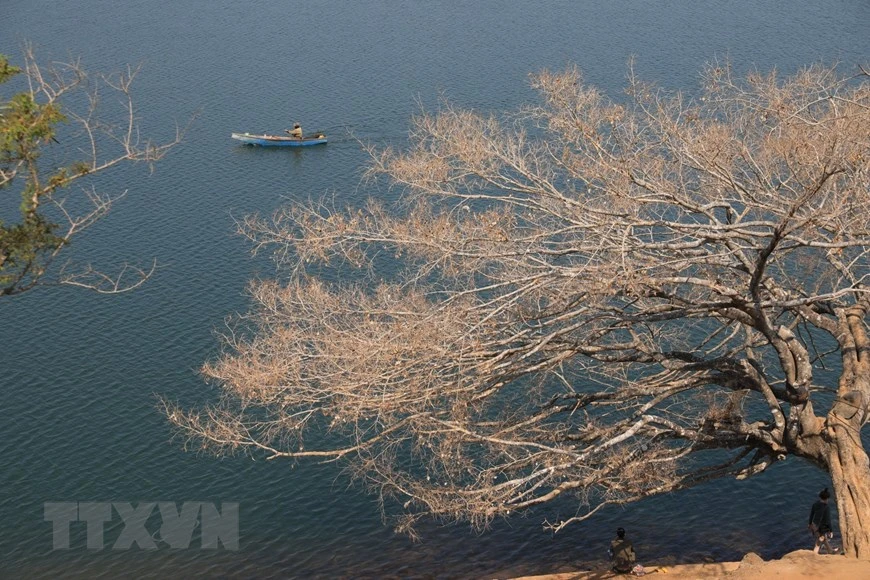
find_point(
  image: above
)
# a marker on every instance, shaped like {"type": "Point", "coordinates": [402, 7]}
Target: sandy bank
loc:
{"type": "Point", "coordinates": [799, 564]}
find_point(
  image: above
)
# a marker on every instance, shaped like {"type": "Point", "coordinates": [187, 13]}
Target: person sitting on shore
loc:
{"type": "Point", "coordinates": [295, 132]}
{"type": "Point", "coordinates": [622, 553]}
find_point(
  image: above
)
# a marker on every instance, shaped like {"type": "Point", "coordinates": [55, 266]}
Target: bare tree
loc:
{"type": "Point", "coordinates": [596, 299]}
{"type": "Point", "coordinates": [64, 97]}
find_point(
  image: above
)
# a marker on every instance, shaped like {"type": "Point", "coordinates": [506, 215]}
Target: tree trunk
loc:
{"type": "Point", "coordinates": [850, 474]}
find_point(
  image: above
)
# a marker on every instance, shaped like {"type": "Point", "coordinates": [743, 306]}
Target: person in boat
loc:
{"type": "Point", "coordinates": [295, 132]}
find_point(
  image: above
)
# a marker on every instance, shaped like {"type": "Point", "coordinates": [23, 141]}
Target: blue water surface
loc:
{"type": "Point", "coordinates": [80, 371]}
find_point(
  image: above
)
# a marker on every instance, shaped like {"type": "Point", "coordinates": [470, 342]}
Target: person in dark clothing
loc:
{"type": "Point", "coordinates": [820, 523]}
{"type": "Point", "coordinates": [622, 553]}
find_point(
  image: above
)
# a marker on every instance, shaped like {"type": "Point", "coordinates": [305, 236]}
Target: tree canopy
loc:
{"type": "Point", "coordinates": [590, 298]}
{"type": "Point", "coordinates": [49, 216]}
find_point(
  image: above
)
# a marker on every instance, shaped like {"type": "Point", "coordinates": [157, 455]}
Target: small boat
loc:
{"type": "Point", "coordinates": [280, 140]}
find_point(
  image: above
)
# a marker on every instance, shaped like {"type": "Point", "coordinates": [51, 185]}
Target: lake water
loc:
{"type": "Point", "coordinates": [80, 372]}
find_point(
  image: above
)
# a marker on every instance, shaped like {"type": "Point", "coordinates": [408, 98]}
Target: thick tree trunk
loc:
{"type": "Point", "coordinates": [850, 473]}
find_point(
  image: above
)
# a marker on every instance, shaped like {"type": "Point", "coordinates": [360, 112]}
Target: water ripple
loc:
{"type": "Point", "coordinates": [79, 416]}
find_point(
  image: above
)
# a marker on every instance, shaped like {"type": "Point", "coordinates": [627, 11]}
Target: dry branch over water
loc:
{"type": "Point", "coordinates": [587, 298]}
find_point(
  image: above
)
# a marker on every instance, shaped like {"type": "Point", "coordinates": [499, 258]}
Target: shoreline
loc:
{"type": "Point", "coordinates": [797, 564]}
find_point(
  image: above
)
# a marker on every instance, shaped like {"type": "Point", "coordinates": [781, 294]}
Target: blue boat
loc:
{"type": "Point", "coordinates": [280, 140]}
